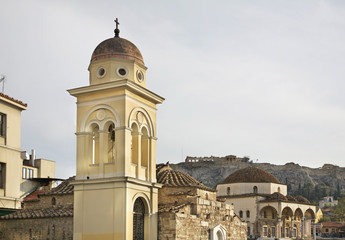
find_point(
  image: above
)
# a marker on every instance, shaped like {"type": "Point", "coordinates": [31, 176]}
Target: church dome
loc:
{"type": "Point", "coordinates": [250, 174]}
{"type": "Point", "coordinates": [117, 47]}
{"type": "Point", "coordinates": [173, 178]}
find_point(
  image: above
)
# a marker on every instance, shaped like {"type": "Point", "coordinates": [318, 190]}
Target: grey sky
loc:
{"type": "Point", "coordinates": [263, 79]}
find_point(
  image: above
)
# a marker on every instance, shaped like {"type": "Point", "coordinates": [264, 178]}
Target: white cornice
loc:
{"type": "Point", "coordinates": [125, 83]}
{"type": "Point", "coordinates": [117, 98]}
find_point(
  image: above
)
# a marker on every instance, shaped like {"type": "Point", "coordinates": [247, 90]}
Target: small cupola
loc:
{"type": "Point", "coordinates": [117, 59]}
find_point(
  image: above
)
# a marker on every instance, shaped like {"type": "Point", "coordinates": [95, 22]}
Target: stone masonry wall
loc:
{"type": "Point", "coordinates": [58, 228]}
{"type": "Point", "coordinates": [184, 225]}
{"type": "Point", "coordinates": [45, 201]}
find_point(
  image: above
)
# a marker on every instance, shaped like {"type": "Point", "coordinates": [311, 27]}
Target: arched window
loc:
{"type": "Point", "coordinates": [135, 144]}
{"type": "Point", "coordinates": [145, 148]}
{"type": "Point", "coordinates": [138, 219]}
{"type": "Point", "coordinates": [111, 143]}
{"type": "Point", "coordinates": [53, 201]}
{"type": "Point", "coordinates": [241, 214]}
{"type": "Point", "coordinates": [255, 189]}
{"type": "Point", "coordinates": [95, 145]}
{"type": "Point", "coordinates": [219, 235]}
{"type": "Point", "coordinates": [228, 191]}
{"type": "Point", "coordinates": [248, 214]}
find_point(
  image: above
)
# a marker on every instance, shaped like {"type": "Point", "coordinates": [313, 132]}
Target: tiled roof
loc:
{"type": "Point", "coordinates": [250, 174]}
{"type": "Point", "coordinates": [172, 178]}
{"type": "Point", "coordinates": [332, 224]}
{"type": "Point", "coordinates": [64, 188]}
{"type": "Point", "coordinates": [40, 213]}
{"type": "Point", "coordinates": [302, 199]}
{"type": "Point", "coordinates": [13, 100]}
{"type": "Point", "coordinates": [34, 195]}
{"type": "Point", "coordinates": [171, 207]}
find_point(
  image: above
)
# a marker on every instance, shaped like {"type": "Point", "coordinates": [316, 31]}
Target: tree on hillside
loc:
{"type": "Point", "coordinates": [339, 210]}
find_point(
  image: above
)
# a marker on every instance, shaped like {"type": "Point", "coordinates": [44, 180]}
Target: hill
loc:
{"type": "Point", "coordinates": [313, 183]}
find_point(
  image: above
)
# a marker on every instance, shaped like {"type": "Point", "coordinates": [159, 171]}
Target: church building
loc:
{"type": "Point", "coordinates": [115, 191]}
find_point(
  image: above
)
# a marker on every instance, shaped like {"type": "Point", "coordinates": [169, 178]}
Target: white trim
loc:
{"type": "Point", "coordinates": [148, 118]}
{"type": "Point", "coordinates": [120, 75]}
{"type": "Point", "coordinates": [219, 228]}
{"type": "Point", "coordinates": [83, 125]}
{"type": "Point", "coordinates": [117, 98]}
{"type": "Point", "coordinates": [147, 200]}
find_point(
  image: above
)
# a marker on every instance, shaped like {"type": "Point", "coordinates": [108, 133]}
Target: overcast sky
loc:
{"type": "Point", "coordinates": [263, 79]}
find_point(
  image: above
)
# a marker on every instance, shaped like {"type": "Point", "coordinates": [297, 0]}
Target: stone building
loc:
{"type": "Point", "coordinates": [48, 215]}
{"type": "Point", "coordinates": [189, 210]}
{"type": "Point", "coordinates": [262, 201]}
{"type": "Point", "coordinates": [328, 201]}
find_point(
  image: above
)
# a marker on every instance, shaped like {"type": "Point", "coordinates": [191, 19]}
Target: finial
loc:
{"type": "Point", "coordinates": [117, 30]}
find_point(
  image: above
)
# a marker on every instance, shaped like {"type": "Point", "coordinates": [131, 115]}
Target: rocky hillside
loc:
{"type": "Point", "coordinates": [313, 183]}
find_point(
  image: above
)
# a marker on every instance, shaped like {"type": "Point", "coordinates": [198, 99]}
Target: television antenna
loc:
{"type": "Point", "coordinates": [2, 79]}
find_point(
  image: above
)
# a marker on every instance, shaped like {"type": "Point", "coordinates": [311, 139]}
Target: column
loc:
{"type": "Point", "coordinates": [291, 230]}
{"type": "Point", "coordinates": [279, 228]}
{"type": "Point", "coordinates": [314, 228]}
{"type": "Point", "coordinates": [302, 228]}
{"type": "Point", "coordinates": [102, 150]}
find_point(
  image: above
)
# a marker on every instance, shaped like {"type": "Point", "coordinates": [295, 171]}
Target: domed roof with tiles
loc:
{"type": "Point", "coordinates": [250, 174]}
{"type": "Point", "coordinates": [117, 47]}
{"type": "Point", "coordinates": [173, 178]}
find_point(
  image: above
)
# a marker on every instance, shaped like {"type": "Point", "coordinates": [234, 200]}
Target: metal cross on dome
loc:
{"type": "Point", "coordinates": [117, 30]}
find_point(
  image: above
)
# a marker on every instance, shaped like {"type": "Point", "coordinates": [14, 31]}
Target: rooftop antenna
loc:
{"type": "Point", "coordinates": [2, 79]}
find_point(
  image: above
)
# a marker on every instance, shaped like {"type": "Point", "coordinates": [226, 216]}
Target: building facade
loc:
{"type": "Point", "coordinates": [262, 201]}
{"type": "Point", "coordinates": [115, 191]}
{"type": "Point", "coordinates": [17, 169]}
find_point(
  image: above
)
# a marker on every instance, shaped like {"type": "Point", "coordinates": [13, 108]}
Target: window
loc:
{"type": "Point", "coordinates": [294, 232]}
{"type": "Point", "coordinates": [53, 201]}
{"type": "Point", "coordinates": [248, 231]}
{"type": "Point", "coordinates": [2, 175]}
{"type": "Point", "coordinates": [2, 125]}
{"type": "Point", "coordinates": [255, 189]}
{"type": "Point", "coordinates": [111, 143]}
{"type": "Point", "coordinates": [138, 219]}
{"type": "Point", "coordinates": [265, 214]}
{"type": "Point", "coordinates": [241, 214]}
{"type": "Point", "coordinates": [24, 173]}
{"type": "Point", "coordinates": [228, 191]}
{"type": "Point", "coordinates": [248, 214]}
{"type": "Point", "coordinates": [30, 173]}
{"type": "Point", "coordinates": [265, 231]}
{"type": "Point", "coordinates": [286, 232]}
{"type": "Point", "coordinates": [273, 230]}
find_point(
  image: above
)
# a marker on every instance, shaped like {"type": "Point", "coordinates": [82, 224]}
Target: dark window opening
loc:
{"type": "Point", "coordinates": [2, 175]}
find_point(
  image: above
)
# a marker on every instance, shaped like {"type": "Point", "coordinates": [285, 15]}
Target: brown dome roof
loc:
{"type": "Point", "coordinates": [117, 47]}
{"type": "Point", "coordinates": [277, 196]}
{"type": "Point", "coordinates": [250, 174]}
{"type": "Point", "coordinates": [172, 178]}
{"type": "Point", "coordinates": [302, 199]}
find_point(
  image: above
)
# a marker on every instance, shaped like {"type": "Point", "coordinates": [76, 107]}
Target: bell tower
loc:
{"type": "Point", "coordinates": [115, 192]}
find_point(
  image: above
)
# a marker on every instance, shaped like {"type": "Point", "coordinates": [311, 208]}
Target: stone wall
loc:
{"type": "Point", "coordinates": [58, 228]}
{"type": "Point", "coordinates": [45, 201]}
{"type": "Point", "coordinates": [196, 221]}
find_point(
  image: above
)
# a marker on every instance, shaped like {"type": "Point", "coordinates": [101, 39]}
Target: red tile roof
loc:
{"type": "Point", "coordinates": [331, 224]}
{"type": "Point", "coordinates": [13, 100]}
{"type": "Point", "coordinates": [40, 213]}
